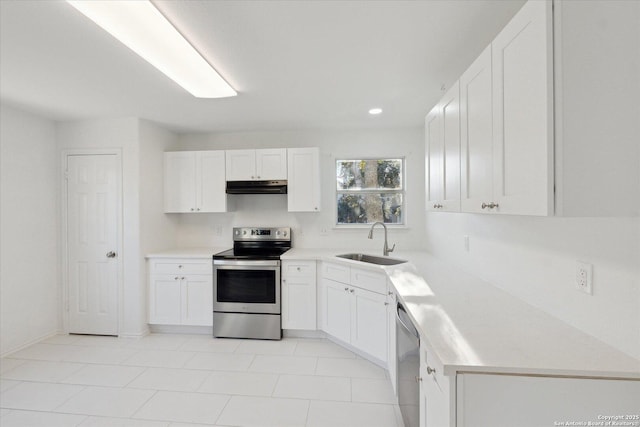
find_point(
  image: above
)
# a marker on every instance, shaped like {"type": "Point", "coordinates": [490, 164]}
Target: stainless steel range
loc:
{"type": "Point", "coordinates": [246, 284]}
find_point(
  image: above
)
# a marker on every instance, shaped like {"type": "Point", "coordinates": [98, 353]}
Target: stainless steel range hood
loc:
{"type": "Point", "coordinates": [257, 187]}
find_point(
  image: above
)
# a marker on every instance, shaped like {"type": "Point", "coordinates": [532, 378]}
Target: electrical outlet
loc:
{"type": "Point", "coordinates": [584, 277]}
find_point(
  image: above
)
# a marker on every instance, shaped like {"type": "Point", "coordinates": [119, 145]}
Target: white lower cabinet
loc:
{"type": "Point", "coordinates": [299, 295]}
{"type": "Point", "coordinates": [532, 401]}
{"type": "Point", "coordinates": [435, 392]}
{"type": "Point", "coordinates": [355, 314]}
{"type": "Point", "coordinates": [481, 399]}
{"type": "Point", "coordinates": [180, 292]}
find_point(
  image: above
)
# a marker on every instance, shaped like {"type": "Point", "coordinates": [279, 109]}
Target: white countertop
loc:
{"type": "Point", "coordinates": [195, 253]}
{"type": "Point", "coordinates": [473, 326]}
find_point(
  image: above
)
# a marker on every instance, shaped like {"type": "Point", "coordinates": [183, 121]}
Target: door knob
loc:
{"type": "Point", "coordinates": [111, 254]}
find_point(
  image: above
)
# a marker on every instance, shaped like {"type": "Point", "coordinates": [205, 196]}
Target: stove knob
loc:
{"type": "Point", "coordinates": [244, 232]}
{"type": "Point", "coordinates": [284, 233]}
{"type": "Point", "coordinates": [278, 233]}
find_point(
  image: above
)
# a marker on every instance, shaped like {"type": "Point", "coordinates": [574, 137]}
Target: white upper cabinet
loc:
{"type": "Point", "coordinates": [194, 181]}
{"type": "Point", "coordinates": [476, 134]}
{"type": "Point", "coordinates": [506, 113]}
{"type": "Point", "coordinates": [303, 186]}
{"type": "Point", "coordinates": [523, 113]}
{"type": "Point", "coordinates": [256, 165]}
{"type": "Point", "coordinates": [442, 147]}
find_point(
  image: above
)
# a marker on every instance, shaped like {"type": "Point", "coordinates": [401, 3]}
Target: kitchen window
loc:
{"type": "Point", "coordinates": [370, 190]}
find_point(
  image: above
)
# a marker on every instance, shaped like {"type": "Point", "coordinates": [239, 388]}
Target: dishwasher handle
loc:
{"type": "Point", "coordinates": [403, 318]}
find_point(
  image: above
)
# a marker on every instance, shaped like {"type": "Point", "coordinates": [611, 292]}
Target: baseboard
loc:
{"type": "Point", "coordinates": [181, 329]}
{"type": "Point", "coordinates": [303, 333]}
{"type": "Point", "coordinates": [29, 343]}
{"type": "Point", "coordinates": [360, 353]}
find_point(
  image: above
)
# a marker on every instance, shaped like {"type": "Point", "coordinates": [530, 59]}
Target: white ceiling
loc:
{"type": "Point", "coordinates": [296, 64]}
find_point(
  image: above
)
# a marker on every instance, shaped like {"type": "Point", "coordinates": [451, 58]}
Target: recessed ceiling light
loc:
{"type": "Point", "coordinates": [375, 111]}
{"type": "Point", "coordinates": [143, 29]}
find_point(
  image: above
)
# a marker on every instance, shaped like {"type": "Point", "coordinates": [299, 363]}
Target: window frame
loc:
{"type": "Point", "coordinates": [402, 191]}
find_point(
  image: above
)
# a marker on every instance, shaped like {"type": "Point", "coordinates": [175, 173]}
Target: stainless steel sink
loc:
{"type": "Point", "coordinates": [372, 259]}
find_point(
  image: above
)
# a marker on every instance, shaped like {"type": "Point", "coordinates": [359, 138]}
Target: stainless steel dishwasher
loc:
{"type": "Point", "coordinates": [408, 364]}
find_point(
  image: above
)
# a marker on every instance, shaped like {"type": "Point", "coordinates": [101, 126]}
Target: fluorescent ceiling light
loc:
{"type": "Point", "coordinates": [142, 28]}
{"type": "Point", "coordinates": [375, 111]}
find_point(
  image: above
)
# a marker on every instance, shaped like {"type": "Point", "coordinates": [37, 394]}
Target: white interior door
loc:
{"type": "Point", "coordinates": [92, 243]}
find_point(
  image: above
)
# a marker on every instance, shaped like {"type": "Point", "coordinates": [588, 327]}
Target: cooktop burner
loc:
{"type": "Point", "coordinates": [253, 243]}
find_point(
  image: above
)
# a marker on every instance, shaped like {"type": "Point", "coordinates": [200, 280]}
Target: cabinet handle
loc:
{"type": "Point", "coordinates": [316, 208]}
{"type": "Point", "coordinates": [175, 278]}
{"type": "Point", "coordinates": [489, 205]}
{"type": "Point", "coordinates": [258, 176]}
{"type": "Point", "coordinates": [253, 177]}
{"type": "Point", "coordinates": [346, 289]}
{"type": "Point", "coordinates": [182, 278]}
{"type": "Point", "coordinates": [198, 209]}
{"type": "Point", "coordinates": [430, 370]}
{"type": "Point", "coordinates": [298, 268]}
{"type": "Point", "coordinates": [386, 303]}
{"type": "Point", "coordinates": [389, 293]}
{"type": "Point", "coordinates": [352, 290]}
{"type": "Point", "coordinates": [418, 379]}
{"type": "Point", "coordinates": [191, 209]}
{"type": "Point", "coordinates": [180, 266]}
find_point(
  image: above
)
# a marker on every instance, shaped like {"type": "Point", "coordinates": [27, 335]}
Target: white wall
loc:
{"type": "Point", "coordinates": [271, 210]}
{"type": "Point", "coordinates": [120, 134]}
{"type": "Point", "coordinates": [157, 230]}
{"type": "Point", "coordinates": [535, 260]}
{"type": "Point", "coordinates": [28, 229]}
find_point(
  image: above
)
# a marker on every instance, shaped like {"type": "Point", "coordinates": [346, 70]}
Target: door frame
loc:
{"type": "Point", "coordinates": [64, 259]}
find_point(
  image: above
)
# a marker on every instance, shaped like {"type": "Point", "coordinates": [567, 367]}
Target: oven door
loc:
{"type": "Point", "coordinates": [241, 286]}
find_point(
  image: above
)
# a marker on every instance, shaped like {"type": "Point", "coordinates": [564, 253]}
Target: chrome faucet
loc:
{"type": "Point", "coordinates": [385, 249]}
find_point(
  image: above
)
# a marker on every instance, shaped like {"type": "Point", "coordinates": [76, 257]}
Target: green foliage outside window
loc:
{"type": "Point", "coordinates": [370, 190]}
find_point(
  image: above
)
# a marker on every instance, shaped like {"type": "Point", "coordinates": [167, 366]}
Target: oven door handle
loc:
{"type": "Point", "coordinates": [253, 263]}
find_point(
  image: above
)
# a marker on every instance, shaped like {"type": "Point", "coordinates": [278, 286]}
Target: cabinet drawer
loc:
{"type": "Point", "coordinates": [337, 272]}
{"type": "Point", "coordinates": [369, 280]}
{"type": "Point", "coordinates": [181, 267]}
{"type": "Point", "coordinates": [299, 268]}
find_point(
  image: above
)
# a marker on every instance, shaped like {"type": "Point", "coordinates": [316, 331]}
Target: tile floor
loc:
{"type": "Point", "coordinates": [191, 380]}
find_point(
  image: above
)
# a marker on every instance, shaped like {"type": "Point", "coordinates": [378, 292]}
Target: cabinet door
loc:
{"type": "Point", "coordinates": [391, 342]}
{"type": "Point", "coordinates": [271, 164]}
{"type": "Point", "coordinates": [522, 112]}
{"type": "Point", "coordinates": [338, 310]}
{"type": "Point", "coordinates": [506, 400]}
{"type": "Point", "coordinates": [476, 134]}
{"type": "Point", "coordinates": [164, 300]}
{"type": "Point", "coordinates": [434, 151]}
{"type": "Point", "coordinates": [240, 165]}
{"type": "Point", "coordinates": [434, 393]}
{"type": "Point", "coordinates": [179, 182]}
{"type": "Point", "coordinates": [299, 303]}
{"type": "Point", "coordinates": [212, 195]}
{"type": "Point", "coordinates": [303, 169]}
{"type": "Point", "coordinates": [369, 327]}
{"type": "Point", "coordinates": [197, 300]}
{"type": "Point", "coordinates": [450, 112]}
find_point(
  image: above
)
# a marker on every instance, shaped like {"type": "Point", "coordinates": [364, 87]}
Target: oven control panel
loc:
{"type": "Point", "coordinates": [258, 233]}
